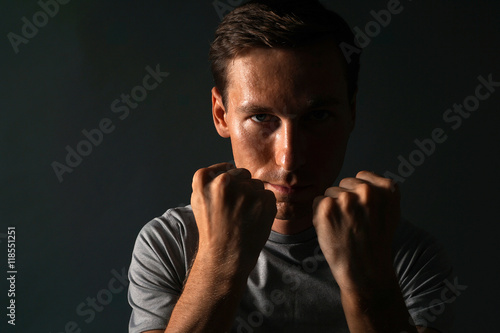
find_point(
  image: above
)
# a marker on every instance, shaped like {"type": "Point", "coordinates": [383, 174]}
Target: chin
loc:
{"type": "Point", "coordinates": [293, 211]}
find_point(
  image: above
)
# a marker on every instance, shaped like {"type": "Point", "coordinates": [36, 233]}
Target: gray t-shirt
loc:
{"type": "Point", "coordinates": [291, 289]}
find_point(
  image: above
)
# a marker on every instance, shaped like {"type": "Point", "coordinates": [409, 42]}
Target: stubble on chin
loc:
{"type": "Point", "coordinates": [293, 211]}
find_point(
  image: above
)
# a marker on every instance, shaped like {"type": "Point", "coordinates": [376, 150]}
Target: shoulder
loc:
{"type": "Point", "coordinates": [168, 243]}
{"type": "Point", "coordinates": [175, 224]}
{"type": "Point", "coordinates": [413, 245]}
{"type": "Point", "coordinates": [418, 253]}
{"type": "Point", "coordinates": [162, 254]}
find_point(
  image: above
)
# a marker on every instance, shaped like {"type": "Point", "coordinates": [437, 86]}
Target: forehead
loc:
{"type": "Point", "coordinates": [285, 76]}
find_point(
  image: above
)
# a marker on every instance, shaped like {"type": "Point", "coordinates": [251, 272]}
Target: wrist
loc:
{"type": "Point", "coordinates": [365, 279]}
{"type": "Point", "coordinates": [371, 299]}
{"type": "Point", "coordinates": [210, 296]}
{"type": "Point", "coordinates": [376, 309]}
{"type": "Point", "coordinates": [224, 270]}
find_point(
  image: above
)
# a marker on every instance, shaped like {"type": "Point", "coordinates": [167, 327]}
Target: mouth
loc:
{"type": "Point", "coordinates": [288, 190]}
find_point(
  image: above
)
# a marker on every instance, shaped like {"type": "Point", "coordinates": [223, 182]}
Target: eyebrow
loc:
{"type": "Point", "coordinates": [312, 103]}
{"type": "Point", "coordinates": [254, 109]}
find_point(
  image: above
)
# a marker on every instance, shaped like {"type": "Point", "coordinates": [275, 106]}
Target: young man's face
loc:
{"type": "Point", "coordinates": [289, 117]}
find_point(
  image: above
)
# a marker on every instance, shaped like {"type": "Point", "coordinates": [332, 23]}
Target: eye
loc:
{"type": "Point", "coordinates": [319, 115]}
{"type": "Point", "coordinates": [260, 118]}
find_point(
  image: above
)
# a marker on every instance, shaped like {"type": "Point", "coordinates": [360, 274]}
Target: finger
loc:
{"type": "Point", "coordinates": [271, 197]}
{"type": "Point", "coordinates": [225, 166]}
{"type": "Point", "coordinates": [324, 203]}
{"type": "Point", "coordinates": [219, 168]}
{"type": "Point", "coordinates": [350, 183]}
{"type": "Point", "coordinates": [240, 173]}
{"type": "Point", "coordinates": [362, 188]}
{"type": "Point", "coordinates": [316, 202]}
{"type": "Point", "coordinates": [206, 175]}
{"type": "Point", "coordinates": [334, 191]}
{"type": "Point", "coordinates": [325, 209]}
{"type": "Point", "coordinates": [375, 179]}
{"type": "Point", "coordinates": [256, 184]}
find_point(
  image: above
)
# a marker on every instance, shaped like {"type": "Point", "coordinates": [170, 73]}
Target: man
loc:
{"type": "Point", "coordinates": [268, 245]}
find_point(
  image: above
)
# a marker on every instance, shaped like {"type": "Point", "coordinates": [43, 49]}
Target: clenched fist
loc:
{"type": "Point", "coordinates": [355, 223]}
{"type": "Point", "coordinates": [234, 215]}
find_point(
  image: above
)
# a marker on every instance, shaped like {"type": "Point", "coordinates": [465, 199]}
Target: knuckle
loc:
{"type": "Point", "coordinates": [347, 201]}
{"type": "Point", "coordinates": [222, 179]}
{"type": "Point", "coordinates": [326, 209]}
{"type": "Point", "coordinates": [362, 173]}
{"type": "Point", "coordinates": [329, 191]}
{"type": "Point", "coordinates": [344, 197]}
{"type": "Point", "coordinates": [199, 177]}
{"type": "Point", "coordinates": [364, 187]}
{"type": "Point", "coordinates": [364, 191]}
{"type": "Point", "coordinates": [326, 205]}
{"type": "Point", "coordinates": [387, 183]}
{"type": "Point", "coordinates": [344, 181]}
{"type": "Point", "coordinates": [199, 173]}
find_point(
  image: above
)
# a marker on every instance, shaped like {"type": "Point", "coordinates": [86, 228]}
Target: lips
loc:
{"type": "Point", "coordinates": [287, 189]}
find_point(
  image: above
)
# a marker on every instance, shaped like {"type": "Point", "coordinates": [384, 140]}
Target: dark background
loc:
{"type": "Point", "coordinates": [74, 236]}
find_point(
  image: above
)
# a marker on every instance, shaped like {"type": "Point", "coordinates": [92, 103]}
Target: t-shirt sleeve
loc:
{"type": "Point", "coordinates": [160, 261]}
{"type": "Point", "coordinates": [425, 273]}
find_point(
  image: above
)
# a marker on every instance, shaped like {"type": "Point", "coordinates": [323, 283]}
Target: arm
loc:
{"type": "Point", "coordinates": [210, 298]}
{"type": "Point", "coordinates": [229, 245]}
{"type": "Point", "coordinates": [208, 301]}
{"type": "Point", "coordinates": [355, 223]}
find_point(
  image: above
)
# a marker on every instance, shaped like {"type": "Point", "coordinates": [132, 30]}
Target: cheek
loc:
{"type": "Point", "coordinates": [251, 147]}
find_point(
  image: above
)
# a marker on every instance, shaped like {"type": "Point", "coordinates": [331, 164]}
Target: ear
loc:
{"type": "Point", "coordinates": [353, 109]}
{"type": "Point", "coordinates": [219, 113]}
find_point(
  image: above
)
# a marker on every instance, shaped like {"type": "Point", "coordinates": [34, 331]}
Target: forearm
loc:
{"type": "Point", "coordinates": [380, 309]}
{"type": "Point", "coordinates": [209, 300]}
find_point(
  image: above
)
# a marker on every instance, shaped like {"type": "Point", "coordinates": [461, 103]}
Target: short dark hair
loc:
{"type": "Point", "coordinates": [278, 24]}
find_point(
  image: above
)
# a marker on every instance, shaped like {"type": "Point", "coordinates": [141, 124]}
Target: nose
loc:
{"type": "Point", "coordinates": [289, 146]}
